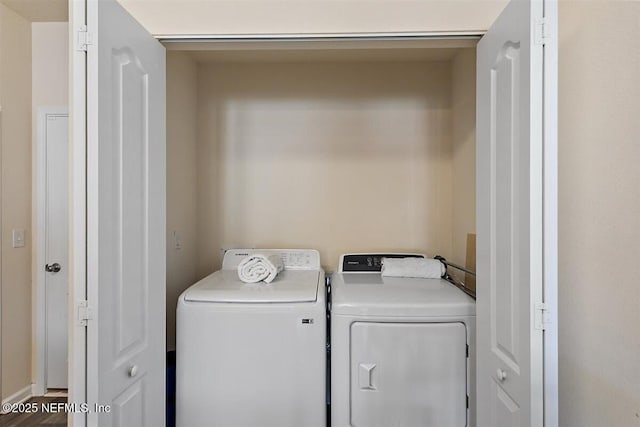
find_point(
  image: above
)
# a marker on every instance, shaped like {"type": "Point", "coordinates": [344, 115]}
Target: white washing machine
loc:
{"type": "Point", "coordinates": [402, 349]}
{"type": "Point", "coordinates": [253, 354]}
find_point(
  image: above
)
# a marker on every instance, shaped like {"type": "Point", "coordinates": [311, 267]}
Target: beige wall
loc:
{"type": "Point", "coordinates": [318, 16]}
{"type": "Point", "coordinates": [50, 53]}
{"type": "Point", "coordinates": [334, 156]}
{"type": "Point", "coordinates": [463, 100]}
{"type": "Point", "coordinates": [182, 92]}
{"type": "Point", "coordinates": [50, 88]}
{"type": "Point", "coordinates": [40, 10]}
{"type": "Point", "coordinates": [599, 214]}
{"type": "Point", "coordinates": [15, 99]}
{"type": "Point", "coordinates": [599, 177]}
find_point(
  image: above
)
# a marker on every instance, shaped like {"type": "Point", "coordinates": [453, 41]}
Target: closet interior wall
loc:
{"type": "Point", "coordinates": [361, 151]}
{"type": "Point", "coordinates": [182, 89]}
{"type": "Point", "coordinates": [463, 160]}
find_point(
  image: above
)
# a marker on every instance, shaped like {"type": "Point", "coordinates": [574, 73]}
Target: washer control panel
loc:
{"type": "Point", "coordinates": [293, 259]}
{"type": "Point", "coordinates": [368, 263]}
{"type": "Point", "coordinates": [301, 259]}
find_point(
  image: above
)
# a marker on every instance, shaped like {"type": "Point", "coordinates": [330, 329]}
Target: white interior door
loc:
{"type": "Point", "coordinates": [126, 176]}
{"type": "Point", "coordinates": [56, 248]}
{"type": "Point", "coordinates": [511, 159]}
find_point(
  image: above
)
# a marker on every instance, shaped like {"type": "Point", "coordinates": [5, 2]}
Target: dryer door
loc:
{"type": "Point", "coordinates": [408, 374]}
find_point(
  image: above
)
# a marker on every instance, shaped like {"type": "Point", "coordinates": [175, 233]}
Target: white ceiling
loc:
{"type": "Point", "coordinates": [40, 10]}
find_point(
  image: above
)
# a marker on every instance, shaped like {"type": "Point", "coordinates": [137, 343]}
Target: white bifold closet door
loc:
{"type": "Point", "coordinates": [514, 151]}
{"type": "Point", "coordinates": [126, 192]}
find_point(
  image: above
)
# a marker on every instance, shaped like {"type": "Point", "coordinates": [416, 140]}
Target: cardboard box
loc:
{"type": "Point", "coordinates": [470, 264]}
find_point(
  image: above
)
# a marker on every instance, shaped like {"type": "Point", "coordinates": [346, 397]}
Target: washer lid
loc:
{"type": "Point", "coordinates": [224, 286]}
{"type": "Point", "coordinates": [370, 294]}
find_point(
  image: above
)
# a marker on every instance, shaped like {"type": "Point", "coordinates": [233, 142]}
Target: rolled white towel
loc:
{"type": "Point", "coordinates": [423, 268]}
{"type": "Point", "coordinates": [257, 267]}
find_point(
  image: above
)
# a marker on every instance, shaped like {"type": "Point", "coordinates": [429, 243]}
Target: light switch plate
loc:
{"type": "Point", "coordinates": [18, 238]}
{"type": "Point", "coordinates": [177, 240]}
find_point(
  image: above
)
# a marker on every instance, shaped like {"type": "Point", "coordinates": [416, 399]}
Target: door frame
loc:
{"type": "Point", "coordinates": [39, 221]}
{"type": "Point", "coordinates": [1, 240]}
{"type": "Point", "coordinates": [77, 383]}
{"type": "Point", "coordinates": [79, 174]}
{"type": "Point", "coordinates": [550, 215]}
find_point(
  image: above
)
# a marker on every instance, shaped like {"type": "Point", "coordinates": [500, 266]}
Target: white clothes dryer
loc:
{"type": "Point", "coordinates": [402, 349]}
{"type": "Point", "coordinates": [253, 355]}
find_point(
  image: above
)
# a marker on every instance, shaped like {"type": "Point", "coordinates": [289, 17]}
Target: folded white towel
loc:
{"type": "Point", "coordinates": [424, 268]}
{"type": "Point", "coordinates": [257, 267]}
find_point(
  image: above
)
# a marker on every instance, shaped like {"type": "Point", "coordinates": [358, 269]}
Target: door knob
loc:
{"type": "Point", "coordinates": [502, 375]}
{"type": "Point", "coordinates": [52, 268]}
{"type": "Point", "coordinates": [133, 371]}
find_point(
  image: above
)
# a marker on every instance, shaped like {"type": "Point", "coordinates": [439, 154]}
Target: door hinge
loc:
{"type": "Point", "coordinates": [541, 32]}
{"type": "Point", "coordinates": [85, 312]}
{"type": "Point", "coordinates": [540, 316]}
{"type": "Point", "coordinates": [83, 39]}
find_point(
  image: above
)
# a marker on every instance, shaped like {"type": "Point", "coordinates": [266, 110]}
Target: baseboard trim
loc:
{"type": "Point", "coordinates": [17, 397]}
{"type": "Point", "coordinates": [37, 390]}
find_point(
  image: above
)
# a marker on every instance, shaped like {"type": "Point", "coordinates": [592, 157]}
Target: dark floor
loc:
{"type": "Point", "coordinates": [37, 418]}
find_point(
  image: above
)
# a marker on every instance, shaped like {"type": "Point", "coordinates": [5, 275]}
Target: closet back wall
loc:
{"type": "Point", "coordinates": [334, 156]}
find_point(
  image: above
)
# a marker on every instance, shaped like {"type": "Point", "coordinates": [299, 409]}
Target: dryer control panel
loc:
{"type": "Point", "coordinates": [368, 263]}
